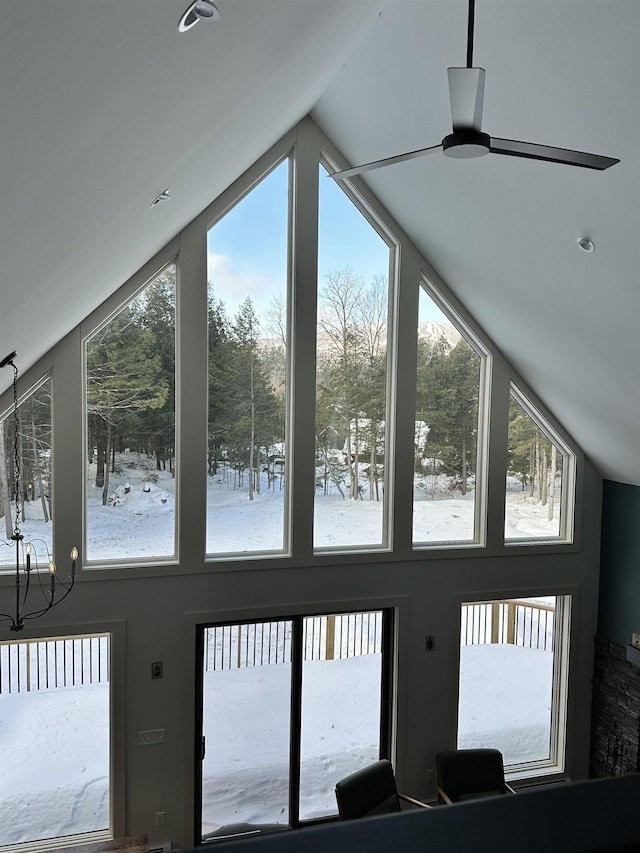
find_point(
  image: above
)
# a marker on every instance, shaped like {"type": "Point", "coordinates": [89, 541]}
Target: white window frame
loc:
{"type": "Point", "coordinates": [116, 663]}
{"type": "Point", "coordinates": [7, 417]}
{"type": "Point", "coordinates": [89, 329]}
{"type": "Point", "coordinates": [569, 474]}
{"type": "Point", "coordinates": [484, 413]}
{"type": "Point", "coordinates": [553, 766]}
{"type": "Point", "coordinates": [215, 213]}
{"type": "Point", "coordinates": [378, 224]}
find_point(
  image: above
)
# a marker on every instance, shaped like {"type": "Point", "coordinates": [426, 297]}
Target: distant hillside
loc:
{"type": "Point", "coordinates": [431, 331]}
{"type": "Point", "coordinates": [434, 332]}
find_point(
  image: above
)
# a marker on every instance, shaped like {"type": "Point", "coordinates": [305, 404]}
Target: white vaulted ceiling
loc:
{"type": "Point", "coordinates": [103, 105]}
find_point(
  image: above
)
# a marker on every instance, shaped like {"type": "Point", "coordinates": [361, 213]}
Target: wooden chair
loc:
{"type": "Point", "coordinates": [131, 844]}
{"type": "Point", "coordinates": [467, 774]}
{"type": "Point", "coordinates": [371, 791]}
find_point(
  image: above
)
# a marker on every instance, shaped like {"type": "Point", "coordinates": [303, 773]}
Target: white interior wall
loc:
{"type": "Point", "coordinates": [157, 604]}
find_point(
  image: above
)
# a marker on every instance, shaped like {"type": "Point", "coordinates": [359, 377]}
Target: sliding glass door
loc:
{"type": "Point", "coordinates": [288, 708]}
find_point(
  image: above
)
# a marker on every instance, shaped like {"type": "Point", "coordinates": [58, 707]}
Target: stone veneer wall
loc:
{"type": "Point", "coordinates": [615, 715]}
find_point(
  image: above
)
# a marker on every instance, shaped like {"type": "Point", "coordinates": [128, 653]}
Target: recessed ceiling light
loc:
{"type": "Point", "coordinates": [586, 244]}
{"type": "Point", "coordinates": [200, 9]}
{"type": "Point", "coordinates": [164, 196]}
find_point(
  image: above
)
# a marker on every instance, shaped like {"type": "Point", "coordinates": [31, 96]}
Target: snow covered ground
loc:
{"type": "Point", "coordinates": [505, 700]}
{"type": "Point", "coordinates": [55, 762]}
{"type": "Point", "coordinates": [140, 523]}
{"type": "Point", "coordinates": [54, 744]}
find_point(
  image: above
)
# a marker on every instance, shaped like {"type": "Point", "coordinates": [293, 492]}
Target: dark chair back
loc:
{"type": "Point", "coordinates": [368, 792]}
{"type": "Point", "coordinates": [469, 773]}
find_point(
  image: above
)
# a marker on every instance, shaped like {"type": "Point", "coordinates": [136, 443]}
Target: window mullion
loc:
{"type": "Point", "coordinates": [402, 400]}
{"type": "Point", "coordinates": [303, 248]}
{"type": "Point", "coordinates": [497, 451]}
{"type": "Point", "coordinates": [67, 444]}
{"type": "Point", "coordinates": [297, 657]}
{"type": "Point", "coordinates": [191, 392]}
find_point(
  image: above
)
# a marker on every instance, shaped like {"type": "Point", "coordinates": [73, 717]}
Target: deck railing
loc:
{"type": "Point", "coordinates": [29, 665]}
{"type": "Point", "coordinates": [513, 621]}
{"type": "Point", "coordinates": [331, 637]}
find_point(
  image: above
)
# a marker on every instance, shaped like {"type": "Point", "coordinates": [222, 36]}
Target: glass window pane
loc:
{"type": "Point", "coordinates": [247, 317]}
{"type": "Point", "coordinates": [506, 677]}
{"type": "Point", "coordinates": [341, 704]}
{"type": "Point", "coordinates": [34, 450]}
{"type": "Point", "coordinates": [351, 381]}
{"type": "Point", "coordinates": [130, 399]}
{"type": "Point", "coordinates": [446, 430]}
{"type": "Point", "coordinates": [246, 723]}
{"type": "Point", "coordinates": [534, 480]}
{"type": "Point", "coordinates": [54, 738]}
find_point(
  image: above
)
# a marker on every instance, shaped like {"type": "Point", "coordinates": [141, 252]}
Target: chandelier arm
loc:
{"type": "Point", "coordinates": [35, 614]}
{"type": "Point", "coordinates": [5, 617]}
{"type": "Point", "coordinates": [53, 603]}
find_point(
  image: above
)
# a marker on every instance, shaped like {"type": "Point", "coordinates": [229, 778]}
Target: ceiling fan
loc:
{"type": "Point", "coordinates": [466, 93]}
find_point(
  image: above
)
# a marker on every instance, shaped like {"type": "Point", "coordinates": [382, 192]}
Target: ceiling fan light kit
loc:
{"type": "Point", "coordinates": [466, 94]}
{"type": "Point", "coordinates": [466, 144]}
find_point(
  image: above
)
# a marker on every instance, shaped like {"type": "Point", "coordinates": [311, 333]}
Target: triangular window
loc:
{"type": "Point", "coordinates": [538, 477]}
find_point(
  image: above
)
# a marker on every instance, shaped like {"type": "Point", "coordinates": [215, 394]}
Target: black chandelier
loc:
{"type": "Point", "coordinates": [26, 552]}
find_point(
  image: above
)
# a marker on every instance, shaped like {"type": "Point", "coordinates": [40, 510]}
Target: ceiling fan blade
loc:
{"type": "Point", "coordinates": [387, 161]}
{"type": "Point", "coordinates": [466, 93]}
{"type": "Point", "coordinates": [547, 152]}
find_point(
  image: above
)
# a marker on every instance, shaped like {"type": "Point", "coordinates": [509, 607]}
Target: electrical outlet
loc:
{"type": "Point", "coordinates": [156, 669]}
{"type": "Point", "coordinates": [430, 776]}
{"type": "Point", "coordinates": [161, 818]}
{"type": "Point", "coordinates": [430, 643]}
{"type": "Point", "coordinates": [151, 737]}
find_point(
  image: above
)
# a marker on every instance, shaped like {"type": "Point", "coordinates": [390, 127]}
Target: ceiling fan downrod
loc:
{"type": "Point", "coordinates": [470, 27]}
